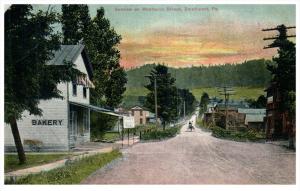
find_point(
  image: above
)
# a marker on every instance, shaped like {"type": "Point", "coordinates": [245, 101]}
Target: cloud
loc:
{"type": "Point", "coordinates": [215, 41]}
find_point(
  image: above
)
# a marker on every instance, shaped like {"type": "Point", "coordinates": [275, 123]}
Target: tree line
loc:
{"type": "Point", "coordinates": [248, 73]}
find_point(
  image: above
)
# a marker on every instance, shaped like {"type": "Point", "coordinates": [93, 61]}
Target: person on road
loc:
{"type": "Point", "coordinates": [191, 126]}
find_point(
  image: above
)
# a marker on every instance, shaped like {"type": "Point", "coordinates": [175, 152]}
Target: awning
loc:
{"type": "Point", "coordinates": [97, 109]}
{"type": "Point", "coordinates": [84, 80]}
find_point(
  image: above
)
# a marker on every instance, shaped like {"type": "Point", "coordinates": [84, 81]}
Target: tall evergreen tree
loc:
{"type": "Point", "coordinates": [75, 21]}
{"type": "Point", "coordinates": [204, 101]}
{"type": "Point", "coordinates": [166, 94]}
{"type": "Point", "coordinates": [29, 43]}
{"type": "Point", "coordinates": [188, 99]}
{"type": "Point", "coordinates": [284, 74]}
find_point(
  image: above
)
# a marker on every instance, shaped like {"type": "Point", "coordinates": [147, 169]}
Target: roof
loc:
{"type": "Point", "coordinates": [233, 104]}
{"type": "Point", "coordinates": [252, 111]}
{"type": "Point", "coordinates": [97, 109]}
{"type": "Point", "coordinates": [138, 108]}
{"type": "Point", "coordinates": [69, 53]}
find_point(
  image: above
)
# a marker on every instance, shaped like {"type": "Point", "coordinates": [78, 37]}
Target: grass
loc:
{"type": "Point", "coordinates": [108, 137]}
{"type": "Point", "coordinates": [131, 96]}
{"type": "Point", "coordinates": [72, 173]}
{"type": "Point", "coordinates": [11, 161]}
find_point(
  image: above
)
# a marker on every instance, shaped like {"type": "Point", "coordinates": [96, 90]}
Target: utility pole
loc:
{"type": "Point", "coordinates": [226, 91]}
{"type": "Point", "coordinates": [155, 100]}
{"type": "Point", "coordinates": [184, 109]}
{"type": "Point", "coordinates": [280, 38]}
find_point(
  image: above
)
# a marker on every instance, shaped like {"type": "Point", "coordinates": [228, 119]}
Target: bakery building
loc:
{"type": "Point", "coordinates": [65, 122]}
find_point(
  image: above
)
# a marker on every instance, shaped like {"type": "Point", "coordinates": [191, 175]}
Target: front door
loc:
{"type": "Point", "coordinates": [73, 128]}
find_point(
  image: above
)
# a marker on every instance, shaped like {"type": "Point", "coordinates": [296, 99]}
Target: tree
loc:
{"type": "Point", "coordinates": [29, 44]}
{"type": "Point", "coordinates": [75, 21]}
{"type": "Point", "coordinates": [187, 98]}
{"type": "Point", "coordinates": [284, 74]}
{"type": "Point", "coordinates": [115, 87]}
{"type": "Point", "coordinates": [261, 102]}
{"type": "Point", "coordinates": [101, 42]}
{"type": "Point", "coordinates": [166, 94]}
{"type": "Point", "coordinates": [204, 101]}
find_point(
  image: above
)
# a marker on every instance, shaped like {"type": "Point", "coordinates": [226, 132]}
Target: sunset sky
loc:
{"type": "Point", "coordinates": [204, 35]}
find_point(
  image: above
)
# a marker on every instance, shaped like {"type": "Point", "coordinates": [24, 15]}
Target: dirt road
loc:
{"type": "Point", "coordinates": [198, 158]}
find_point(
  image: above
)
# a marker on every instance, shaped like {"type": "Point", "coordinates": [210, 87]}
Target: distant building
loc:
{"type": "Point", "coordinates": [254, 118]}
{"type": "Point", "coordinates": [140, 115]}
{"type": "Point", "coordinates": [232, 106]}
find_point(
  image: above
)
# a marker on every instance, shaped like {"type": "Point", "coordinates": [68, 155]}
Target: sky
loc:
{"type": "Point", "coordinates": [194, 35]}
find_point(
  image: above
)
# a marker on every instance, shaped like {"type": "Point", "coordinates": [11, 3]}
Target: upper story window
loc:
{"type": "Point", "coordinates": [74, 89]}
{"type": "Point", "coordinates": [84, 92]}
{"type": "Point", "coordinates": [141, 112]}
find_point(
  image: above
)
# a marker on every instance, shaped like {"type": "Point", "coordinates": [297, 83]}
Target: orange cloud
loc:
{"type": "Point", "coordinates": [195, 44]}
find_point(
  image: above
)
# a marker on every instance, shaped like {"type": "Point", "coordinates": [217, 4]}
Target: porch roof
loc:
{"type": "Point", "coordinates": [97, 109]}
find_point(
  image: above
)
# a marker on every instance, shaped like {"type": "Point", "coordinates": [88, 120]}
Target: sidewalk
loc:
{"type": "Point", "coordinates": [79, 152]}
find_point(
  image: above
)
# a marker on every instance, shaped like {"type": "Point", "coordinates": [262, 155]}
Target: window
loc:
{"type": "Point", "coordinates": [141, 120]}
{"type": "Point", "coordinates": [84, 92]}
{"type": "Point", "coordinates": [74, 88]}
{"type": "Point", "coordinates": [141, 112]}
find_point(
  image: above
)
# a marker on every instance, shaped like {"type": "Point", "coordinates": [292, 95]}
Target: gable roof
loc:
{"type": "Point", "coordinates": [69, 53]}
{"type": "Point", "coordinates": [252, 111]}
{"type": "Point", "coordinates": [137, 107]}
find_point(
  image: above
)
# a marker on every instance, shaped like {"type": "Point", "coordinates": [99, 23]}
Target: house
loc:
{"type": "Point", "coordinates": [65, 122]}
{"type": "Point", "coordinates": [151, 118]}
{"type": "Point", "coordinates": [140, 115]}
{"type": "Point", "coordinates": [254, 118]}
{"type": "Point", "coordinates": [278, 125]}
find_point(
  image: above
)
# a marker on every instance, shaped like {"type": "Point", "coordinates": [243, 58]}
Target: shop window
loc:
{"type": "Point", "coordinates": [74, 89]}
{"type": "Point", "coordinates": [84, 92]}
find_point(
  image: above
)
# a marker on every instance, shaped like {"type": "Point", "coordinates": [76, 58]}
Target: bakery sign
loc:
{"type": "Point", "coordinates": [47, 122]}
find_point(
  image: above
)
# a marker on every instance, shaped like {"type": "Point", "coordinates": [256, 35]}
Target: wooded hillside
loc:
{"type": "Point", "coordinates": [248, 73]}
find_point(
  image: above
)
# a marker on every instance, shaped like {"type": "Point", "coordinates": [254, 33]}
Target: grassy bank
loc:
{"type": "Point", "coordinates": [11, 161]}
{"type": "Point", "coordinates": [72, 173]}
{"type": "Point", "coordinates": [235, 135]}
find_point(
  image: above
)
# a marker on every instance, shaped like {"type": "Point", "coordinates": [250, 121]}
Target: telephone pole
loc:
{"type": "Point", "coordinates": [226, 91]}
{"type": "Point", "coordinates": [184, 109]}
{"type": "Point", "coordinates": [279, 39]}
{"type": "Point", "coordinates": [155, 98]}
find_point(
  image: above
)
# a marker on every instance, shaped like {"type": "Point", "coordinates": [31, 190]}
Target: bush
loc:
{"type": "Point", "coordinates": [245, 135]}
{"type": "Point", "coordinates": [158, 133]}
